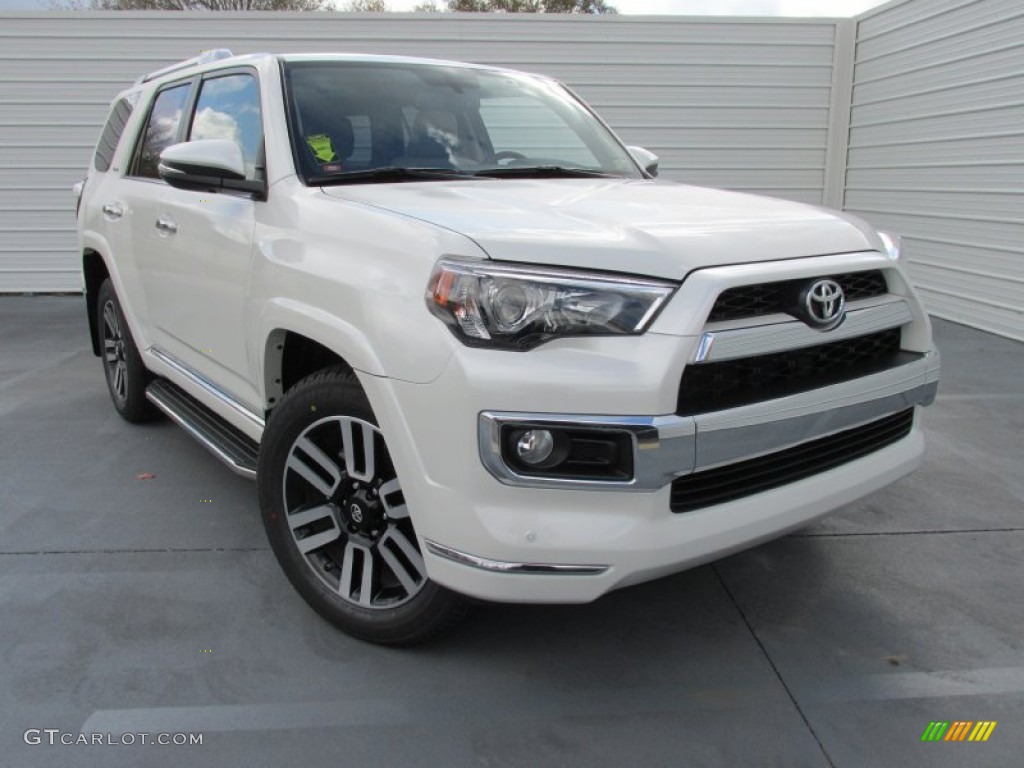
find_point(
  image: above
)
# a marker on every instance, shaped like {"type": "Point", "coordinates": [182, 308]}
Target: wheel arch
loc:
{"type": "Point", "coordinates": [94, 272]}
{"type": "Point", "coordinates": [299, 342]}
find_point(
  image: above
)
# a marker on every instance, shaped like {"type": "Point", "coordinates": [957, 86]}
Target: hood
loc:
{"type": "Point", "coordinates": [654, 228]}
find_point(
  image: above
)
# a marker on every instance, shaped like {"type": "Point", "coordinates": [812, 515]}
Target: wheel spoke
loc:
{"type": "Point", "coordinates": [110, 320]}
{"type": "Point", "coordinates": [348, 571]}
{"type": "Point", "coordinates": [345, 584]}
{"type": "Point", "coordinates": [306, 517]}
{"type": "Point", "coordinates": [310, 475]}
{"type": "Point", "coordinates": [351, 432]}
{"type": "Point", "coordinates": [387, 498]}
{"type": "Point", "coordinates": [410, 582]}
{"type": "Point", "coordinates": [119, 383]}
{"type": "Point", "coordinates": [366, 583]}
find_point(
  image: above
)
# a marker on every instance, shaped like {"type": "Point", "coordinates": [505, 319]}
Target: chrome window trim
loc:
{"type": "Point", "coordinates": [200, 381]}
{"type": "Point", "coordinates": [782, 333]}
{"type": "Point", "coordinates": [503, 566]}
{"type": "Point", "coordinates": [667, 447]}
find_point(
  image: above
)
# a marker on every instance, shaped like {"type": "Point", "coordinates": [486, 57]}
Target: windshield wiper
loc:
{"type": "Point", "coordinates": [544, 172]}
{"type": "Point", "coordinates": [389, 173]}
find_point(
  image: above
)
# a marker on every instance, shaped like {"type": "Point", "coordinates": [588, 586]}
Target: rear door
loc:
{"type": "Point", "coordinates": [141, 190]}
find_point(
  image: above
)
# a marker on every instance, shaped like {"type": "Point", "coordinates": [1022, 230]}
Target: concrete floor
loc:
{"type": "Point", "coordinates": [131, 605]}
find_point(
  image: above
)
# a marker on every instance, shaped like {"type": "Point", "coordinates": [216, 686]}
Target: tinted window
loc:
{"type": "Point", "coordinates": [362, 140]}
{"type": "Point", "coordinates": [111, 134]}
{"type": "Point", "coordinates": [351, 116]}
{"type": "Point", "coordinates": [162, 129]}
{"type": "Point", "coordinates": [229, 108]}
{"type": "Point", "coordinates": [525, 125]}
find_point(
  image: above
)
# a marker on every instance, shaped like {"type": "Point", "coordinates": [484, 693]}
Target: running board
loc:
{"type": "Point", "coordinates": [230, 445]}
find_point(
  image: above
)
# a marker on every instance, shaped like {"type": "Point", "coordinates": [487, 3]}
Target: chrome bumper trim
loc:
{"type": "Point", "coordinates": [667, 447]}
{"type": "Point", "coordinates": [772, 335]}
{"type": "Point", "coordinates": [502, 566]}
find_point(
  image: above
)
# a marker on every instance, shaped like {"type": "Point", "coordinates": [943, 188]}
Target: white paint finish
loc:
{"type": "Point", "coordinates": [658, 229]}
{"type": "Point", "coordinates": [936, 150]}
{"type": "Point", "coordinates": [739, 103]}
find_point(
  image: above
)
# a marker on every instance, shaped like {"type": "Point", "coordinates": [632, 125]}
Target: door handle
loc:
{"type": "Point", "coordinates": [113, 210]}
{"type": "Point", "coordinates": [166, 226]}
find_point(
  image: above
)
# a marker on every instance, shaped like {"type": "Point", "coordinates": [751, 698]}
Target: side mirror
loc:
{"type": "Point", "coordinates": [645, 159]}
{"type": "Point", "coordinates": [207, 164]}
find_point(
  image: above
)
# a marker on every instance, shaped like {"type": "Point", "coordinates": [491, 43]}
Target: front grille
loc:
{"type": "Point", "coordinates": [745, 478]}
{"type": "Point", "coordinates": [746, 301]}
{"type": "Point", "coordinates": [730, 383]}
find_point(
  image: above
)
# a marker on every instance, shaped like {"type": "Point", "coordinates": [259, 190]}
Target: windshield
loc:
{"type": "Point", "coordinates": [362, 121]}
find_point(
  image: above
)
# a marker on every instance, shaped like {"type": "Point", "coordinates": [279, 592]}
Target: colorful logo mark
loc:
{"type": "Point", "coordinates": [958, 730]}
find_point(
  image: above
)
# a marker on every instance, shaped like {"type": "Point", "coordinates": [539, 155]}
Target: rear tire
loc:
{"type": "Point", "coordinates": [126, 375]}
{"type": "Point", "coordinates": [336, 518]}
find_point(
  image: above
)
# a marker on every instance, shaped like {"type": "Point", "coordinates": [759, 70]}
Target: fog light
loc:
{"type": "Point", "coordinates": [535, 446]}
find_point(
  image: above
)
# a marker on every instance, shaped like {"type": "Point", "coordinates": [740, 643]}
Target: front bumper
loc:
{"type": "Point", "coordinates": [487, 532]}
{"type": "Point", "coordinates": [643, 541]}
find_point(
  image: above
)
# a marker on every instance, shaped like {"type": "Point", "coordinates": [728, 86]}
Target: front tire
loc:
{"type": "Point", "coordinates": [122, 365]}
{"type": "Point", "coordinates": [336, 518]}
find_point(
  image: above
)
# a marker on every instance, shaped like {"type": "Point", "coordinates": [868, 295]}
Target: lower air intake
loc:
{"type": "Point", "coordinates": [745, 478]}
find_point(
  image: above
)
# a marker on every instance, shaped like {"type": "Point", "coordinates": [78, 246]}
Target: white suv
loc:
{"type": "Point", "coordinates": [468, 345]}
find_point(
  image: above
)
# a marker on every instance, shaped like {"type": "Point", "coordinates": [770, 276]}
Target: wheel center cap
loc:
{"type": "Point", "coordinates": [356, 513]}
{"type": "Point", "coordinates": [363, 513]}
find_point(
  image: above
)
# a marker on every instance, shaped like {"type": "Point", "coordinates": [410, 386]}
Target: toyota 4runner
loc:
{"type": "Point", "coordinates": [468, 345]}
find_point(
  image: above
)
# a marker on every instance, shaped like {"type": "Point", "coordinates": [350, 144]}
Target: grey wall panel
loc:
{"type": "Point", "coordinates": [998, 32]}
{"type": "Point", "coordinates": [936, 150]}
{"type": "Point", "coordinates": [739, 103]}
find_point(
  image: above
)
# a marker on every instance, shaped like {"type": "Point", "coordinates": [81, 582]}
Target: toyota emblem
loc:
{"type": "Point", "coordinates": [824, 305]}
{"type": "Point", "coordinates": [356, 512]}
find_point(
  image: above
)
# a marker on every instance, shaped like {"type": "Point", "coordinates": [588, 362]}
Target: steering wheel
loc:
{"type": "Point", "coordinates": [508, 154]}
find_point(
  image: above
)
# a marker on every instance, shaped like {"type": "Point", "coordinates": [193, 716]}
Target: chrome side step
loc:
{"type": "Point", "coordinates": [230, 445]}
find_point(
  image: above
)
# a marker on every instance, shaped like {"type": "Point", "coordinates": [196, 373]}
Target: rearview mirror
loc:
{"type": "Point", "coordinates": [645, 159]}
{"type": "Point", "coordinates": [207, 164]}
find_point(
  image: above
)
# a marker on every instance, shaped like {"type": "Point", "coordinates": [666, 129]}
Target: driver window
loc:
{"type": "Point", "coordinates": [229, 108]}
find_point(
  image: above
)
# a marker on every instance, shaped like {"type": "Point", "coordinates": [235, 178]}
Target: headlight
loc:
{"type": "Point", "coordinates": [893, 244]}
{"type": "Point", "coordinates": [492, 304]}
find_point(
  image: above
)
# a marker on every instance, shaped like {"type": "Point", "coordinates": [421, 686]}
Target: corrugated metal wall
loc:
{"type": "Point", "coordinates": [936, 150]}
{"type": "Point", "coordinates": [738, 103]}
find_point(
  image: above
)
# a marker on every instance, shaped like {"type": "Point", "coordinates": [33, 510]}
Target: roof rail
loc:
{"type": "Point", "coordinates": [212, 54]}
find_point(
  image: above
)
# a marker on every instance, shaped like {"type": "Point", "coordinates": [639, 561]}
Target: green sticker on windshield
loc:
{"type": "Point", "coordinates": [321, 146]}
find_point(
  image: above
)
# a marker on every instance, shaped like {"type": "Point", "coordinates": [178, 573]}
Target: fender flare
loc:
{"type": "Point", "coordinates": [93, 241]}
{"type": "Point", "coordinates": [280, 316]}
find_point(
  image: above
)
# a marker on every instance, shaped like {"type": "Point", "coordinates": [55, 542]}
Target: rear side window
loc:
{"type": "Point", "coordinates": [161, 129]}
{"type": "Point", "coordinates": [111, 135]}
